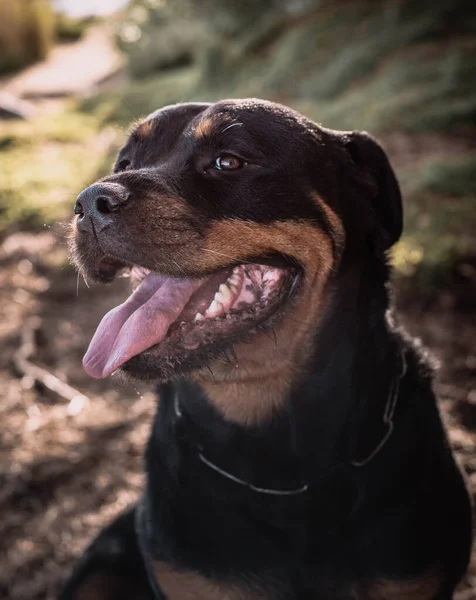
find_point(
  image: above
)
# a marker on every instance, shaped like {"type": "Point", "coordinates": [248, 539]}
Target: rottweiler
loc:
{"type": "Point", "coordinates": [297, 450]}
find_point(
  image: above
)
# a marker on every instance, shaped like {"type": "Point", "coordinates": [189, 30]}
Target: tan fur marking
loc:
{"type": "Point", "coordinates": [205, 128]}
{"type": "Point", "coordinates": [236, 239]}
{"type": "Point", "coordinates": [331, 215]}
{"type": "Point", "coordinates": [251, 392]}
{"type": "Point", "coordinates": [189, 585]}
{"type": "Point", "coordinates": [423, 588]}
{"type": "Point", "coordinates": [144, 130]}
{"type": "Point", "coordinates": [252, 398]}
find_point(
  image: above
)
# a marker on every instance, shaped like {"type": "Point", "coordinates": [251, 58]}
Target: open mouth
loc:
{"type": "Point", "coordinates": [171, 315]}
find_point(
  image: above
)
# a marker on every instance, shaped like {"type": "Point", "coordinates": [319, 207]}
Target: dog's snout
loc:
{"type": "Point", "coordinates": [98, 203]}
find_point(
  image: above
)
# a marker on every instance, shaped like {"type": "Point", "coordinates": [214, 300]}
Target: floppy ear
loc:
{"type": "Point", "coordinates": [386, 199]}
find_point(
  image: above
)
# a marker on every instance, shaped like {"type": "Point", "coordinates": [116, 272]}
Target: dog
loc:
{"type": "Point", "coordinates": [297, 451]}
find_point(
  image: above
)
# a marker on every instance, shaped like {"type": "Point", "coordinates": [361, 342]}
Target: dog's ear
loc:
{"type": "Point", "coordinates": [369, 157]}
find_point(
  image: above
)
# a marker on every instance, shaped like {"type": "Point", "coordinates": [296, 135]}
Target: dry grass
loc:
{"type": "Point", "coordinates": [26, 32]}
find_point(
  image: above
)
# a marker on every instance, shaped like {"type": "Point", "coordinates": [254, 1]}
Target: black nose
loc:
{"type": "Point", "coordinates": [96, 205]}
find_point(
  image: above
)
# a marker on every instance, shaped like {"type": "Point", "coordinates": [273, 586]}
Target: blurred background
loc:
{"type": "Point", "coordinates": [73, 75]}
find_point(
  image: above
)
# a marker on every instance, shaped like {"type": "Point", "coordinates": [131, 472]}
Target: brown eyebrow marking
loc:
{"type": "Point", "coordinates": [204, 128]}
{"type": "Point", "coordinates": [143, 130]}
{"type": "Point", "coordinates": [334, 225]}
{"type": "Point", "coordinates": [209, 125]}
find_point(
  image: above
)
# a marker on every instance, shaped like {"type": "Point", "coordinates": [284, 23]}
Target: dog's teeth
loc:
{"type": "Point", "coordinates": [199, 317]}
{"type": "Point", "coordinates": [214, 309]}
{"type": "Point", "coordinates": [224, 294]}
{"type": "Point", "coordinates": [233, 280]}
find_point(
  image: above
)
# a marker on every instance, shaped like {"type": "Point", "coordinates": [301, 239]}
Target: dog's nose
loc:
{"type": "Point", "coordinates": [96, 205]}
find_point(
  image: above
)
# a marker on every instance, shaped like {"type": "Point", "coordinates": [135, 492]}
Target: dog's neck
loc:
{"type": "Point", "coordinates": [338, 408]}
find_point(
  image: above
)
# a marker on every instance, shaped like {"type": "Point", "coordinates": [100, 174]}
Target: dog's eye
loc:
{"type": "Point", "coordinates": [228, 162]}
{"type": "Point", "coordinates": [123, 164]}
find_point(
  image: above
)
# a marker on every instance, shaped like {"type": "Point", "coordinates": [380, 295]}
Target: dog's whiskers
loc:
{"type": "Point", "coordinates": [233, 353]}
{"type": "Point", "coordinates": [232, 125]}
{"type": "Point", "coordinates": [211, 373]}
{"type": "Point", "coordinates": [85, 280]}
{"type": "Point", "coordinates": [271, 334]}
{"type": "Point", "coordinates": [227, 359]}
{"type": "Point", "coordinates": [178, 266]}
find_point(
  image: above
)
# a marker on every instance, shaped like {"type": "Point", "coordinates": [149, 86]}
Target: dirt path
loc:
{"type": "Point", "coordinates": [74, 69]}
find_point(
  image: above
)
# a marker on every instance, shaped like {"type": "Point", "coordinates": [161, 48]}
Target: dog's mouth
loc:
{"type": "Point", "coordinates": [169, 316]}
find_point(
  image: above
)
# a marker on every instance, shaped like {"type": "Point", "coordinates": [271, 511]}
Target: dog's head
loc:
{"type": "Point", "coordinates": [233, 218]}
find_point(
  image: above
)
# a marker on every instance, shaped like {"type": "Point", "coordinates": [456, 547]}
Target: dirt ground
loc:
{"type": "Point", "coordinates": [70, 461]}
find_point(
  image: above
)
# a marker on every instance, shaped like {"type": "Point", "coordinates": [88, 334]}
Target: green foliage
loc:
{"type": "Point", "coordinates": [157, 35]}
{"type": "Point", "coordinates": [145, 96]}
{"type": "Point", "coordinates": [421, 88]}
{"type": "Point", "coordinates": [454, 177]}
{"type": "Point", "coordinates": [46, 162]}
{"type": "Point", "coordinates": [385, 66]}
{"type": "Point", "coordinates": [26, 32]}
{"type": "Point", "coordinates": [440, 217]}
{"type": "Point", "coordinates": [161, 34]}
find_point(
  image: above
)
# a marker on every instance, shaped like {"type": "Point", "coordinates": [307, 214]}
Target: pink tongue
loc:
{"type": "Point", "coordinates": [141, 322]}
